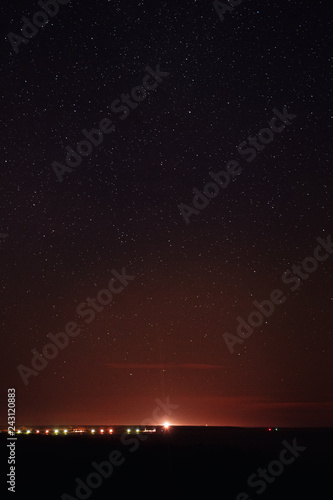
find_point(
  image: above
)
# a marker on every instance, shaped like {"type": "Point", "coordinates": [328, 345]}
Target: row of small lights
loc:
{"type": "Point", "coordinates": [65, 431]}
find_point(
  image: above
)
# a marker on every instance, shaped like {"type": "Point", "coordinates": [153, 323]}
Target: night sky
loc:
{"type": "Point", "coordinates": [121, 210]}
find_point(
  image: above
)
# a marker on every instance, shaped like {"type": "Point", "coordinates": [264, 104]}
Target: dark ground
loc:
{"type": "Point", "coordinates": [179, 463]}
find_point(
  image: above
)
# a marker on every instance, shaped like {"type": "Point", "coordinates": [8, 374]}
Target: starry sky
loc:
{"type": "Point", "coordinates": [162, 336]}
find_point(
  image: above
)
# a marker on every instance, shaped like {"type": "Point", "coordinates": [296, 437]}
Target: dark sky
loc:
{"type": "Point", "coordinates": [163, 333]}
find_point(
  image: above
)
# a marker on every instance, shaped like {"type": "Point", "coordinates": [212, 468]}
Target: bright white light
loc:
{"type": "Point", "coordinates": [101, 431]}
{"type": "Point", "coordinates": [137, 430]}
{"type": "Point", "coordinates": [128, 431]}
{"type": "Point", "coordinates": [28, 432]}
{"type": "Point", "coordinates": [110, 431]}
{"type": "Point", "coordinates": [65, 431]}
{"type": "Point", "coordinates": [56, 431]}
{"type": "Point", "coordinates": [18, 432]}
{"type": "Point", "coordinates": [166, 425]}
{"type": "Point", "coordinates": [92, 431]}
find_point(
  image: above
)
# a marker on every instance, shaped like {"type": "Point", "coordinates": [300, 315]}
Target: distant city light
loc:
{"type": "Point", "coordinates": [37, 432]}
{"type": "Point", "coordinates": [65, 431]}
{"type": "Point", "coordinates": [101, 431]}
{"type": "Point", "coordinates": [110, 431]}
{"type": "Point", "coordinates": [18, 432]}
{"type": "Point", "coordinates": [28, 432]}
{"type": "Point", "coordinates": [56, 431]}
{"type": "Point", "coordinates": [47, 431]}
{"type": "Point", "coordinates": [137, 430]}
{"type": "Point", "coordinates": [166, 425]}
{"type": "Point", "coordinates": [92, 431]}
{"type": "Point", "coordinates": [276, 429]}
{"type": "Point", "coordinates": [128, 431]}
{"type": "Point", "coordinates": [269, 429]}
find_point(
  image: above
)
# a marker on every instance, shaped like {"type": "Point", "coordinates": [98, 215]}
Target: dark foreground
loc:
{"type": "Point", "coordinates": [182, 462]}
